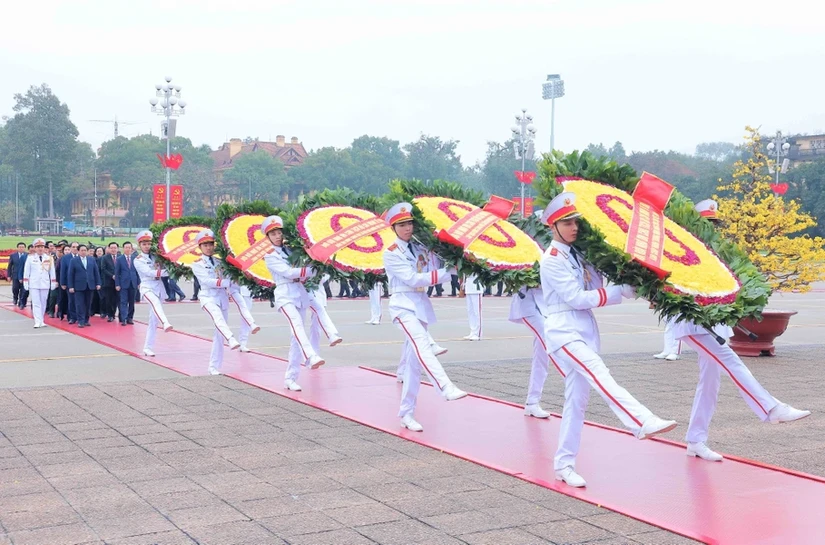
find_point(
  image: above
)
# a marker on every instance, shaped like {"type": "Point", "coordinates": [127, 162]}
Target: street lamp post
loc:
{"type": "Point", "coordinates": [524, 134]}
{"type": "Point", "coordinates": [779, 147]}
{"type": "Point", "coordinates": [552, 89]}
{"type": "Point", "coordinates": [169, 98]}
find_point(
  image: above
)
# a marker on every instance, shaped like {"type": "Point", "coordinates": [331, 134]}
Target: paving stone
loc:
{"type": "Point", "coordinates": [235, 533]}
{"type": "Point", "coordinates": [205, 516]}
{"type": "Point", "coordinates": [337, 498]}
{"type": "Point", "coordinates": [173, 537]}
{"type": "Point", "coordinates": [619, 524]}
{"type": "Point", "coordinates": [466, 522]}
{"type": "Point", "coordinates": [663, 538]}
{"type": "Point", "coordinates": [33, 511]}
{"type": "Point", "coordinates": [403, 532]}
{"type": "Point", "coordinates": [269, 507]}
{"type": "Point", "coordinates": [361, 515]}
{"type": "Point", "coordinates": [510, 536]}
{"type": "Point", "coordinates": [67, 534]}
{"type": "Point", "coordinates": [310, 522]}
{"type": "Point", "coordinates": [334, 537]}
{"type": "Point", "coordinates": [568, 531]}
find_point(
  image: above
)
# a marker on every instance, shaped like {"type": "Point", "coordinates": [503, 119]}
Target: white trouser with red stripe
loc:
{"type": "Point", "coordinates": [474, 313]}
{"type": "Point", "coordinates": [418, 353]}
{"type": "Point", "coordinates": [219, 313]}
{"type": "Point", "coordinates": [38, 297]}
{"type": "Point", "coordinates": [319, 322]}
{"type": "Point", "coordinates": [300, 349]}
{"type": "Point", "coordinates": [375, 303]}
{"type": "Point", "coordinates": [584, 369]}
{"type": "Point", "coordinates": [246, 316]}
{"type": "Point", "coordinates": [157, 317]}
{"type": "Point", "coordinates": [713, 359]}
{"type": "Point", "coordinates": [402, 363]}
{"type": "Point", "coordinates": [541, 359]}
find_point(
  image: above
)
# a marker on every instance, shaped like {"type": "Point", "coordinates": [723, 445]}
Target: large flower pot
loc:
{"type": "Point", "coordinates": [773, 324]}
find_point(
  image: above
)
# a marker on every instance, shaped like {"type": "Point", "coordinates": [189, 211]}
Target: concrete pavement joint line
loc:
{"type": "Point", "coordinates": [51, 358]}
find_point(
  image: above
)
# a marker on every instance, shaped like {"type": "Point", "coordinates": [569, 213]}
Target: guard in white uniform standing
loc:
{"type": "Point", "coordinates": [319, 320]}
{"type": "Point", "coordinates": [410, 270]}
{"type": "Point", "coordinates": [375, 304]}
{"type": "Point", "coordinates": [528, 308]}
{"type": "Point", "coordinates": [572, 287]}
{"type": "Point", "coordinates": [714, 357]}
{"type": "Point", "coordinates": [473, 292]}
{"type": "Point", "coordinates": [38, 279]}
{"type": "Point", "coordinates": [673, 346]}
{"type": "Point", "coordinates": [151, 288]}
{"type": "Point", "coordinates": [214, 299]}
{"type": "Point", "coordinates": [292, 300]}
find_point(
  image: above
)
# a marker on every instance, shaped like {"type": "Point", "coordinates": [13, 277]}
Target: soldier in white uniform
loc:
{"type": "Point", "coordinates": [292, 300]}
{"type": "Point", "coordinates": [410, 270]}
{"type": "Point", "coordinates": [473, 292]}
{"type": "Point", "coordinates": [572, 287]}
{"type": "Point", "coordinates": [319, 320]}
{"type": "Point", "coordinates": [375, 304]}
{"type": "Point", "coordinates": [38, 279]}
{"type": "Point", "coordinates": [151, 288]}
{"type": "Point", "coordinates": [714, 357]}
{"type": "Point", "coordinates": [214, 299]}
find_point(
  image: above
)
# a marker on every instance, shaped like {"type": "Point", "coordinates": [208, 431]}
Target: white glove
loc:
{"type": "Point", "coordinates": [26, 286]}
{"type": "Point", "coordinates": [628, 291]}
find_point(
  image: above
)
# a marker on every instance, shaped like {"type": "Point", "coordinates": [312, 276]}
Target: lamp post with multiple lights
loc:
{"type": "Point", "coordinates": [552, 89]}
{"type": "Point", "coordinates": [524, 134]}
{"type": "Point", "coordinates": [167, 103]}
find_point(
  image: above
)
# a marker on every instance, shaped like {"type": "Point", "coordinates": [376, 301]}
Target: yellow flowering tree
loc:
{"type": "Point", "coordinates": [767, 226]}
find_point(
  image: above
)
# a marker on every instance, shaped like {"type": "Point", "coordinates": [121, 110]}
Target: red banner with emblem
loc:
{"type": "Point", "coordinates": [528, 205]}
{"type": "Point", "coordinates": [646, 236]}
{"type": "Point", "coordinates": [176, 202]}
{"type": "Point", "coordinates": [158, 203]}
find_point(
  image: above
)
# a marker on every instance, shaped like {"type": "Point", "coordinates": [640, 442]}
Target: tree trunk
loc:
{"type": "Point", "coordinates": [51, 198]}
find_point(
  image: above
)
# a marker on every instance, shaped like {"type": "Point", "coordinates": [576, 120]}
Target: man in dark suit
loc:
{"type": "Point", "coordinates": [23, 298]}
{"type": "Point", "coordinates": [126, 283]}
{"type": "Point", "coordinates": [16, 262]}
{"type": "Point", "coordinates": [84, 279]}
{"type": "Point", "coordinates": [69, 253]}
{"type": "Point", "coordinates": [109, 297]}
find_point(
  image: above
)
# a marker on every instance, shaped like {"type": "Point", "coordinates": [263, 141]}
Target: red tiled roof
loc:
{"type": "Point", "coordinates": [290, 154]}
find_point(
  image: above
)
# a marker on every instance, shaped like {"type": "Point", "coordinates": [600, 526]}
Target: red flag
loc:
{"type": "Point", "coordinates": [499, 206]}
{"type": "Point", "coordinates": [779, 189]}
{"type": "Point", "coordinates": [525, 177]}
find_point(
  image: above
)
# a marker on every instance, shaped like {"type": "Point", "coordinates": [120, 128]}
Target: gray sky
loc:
{"type": "Point", "coordinates": [653, 74]}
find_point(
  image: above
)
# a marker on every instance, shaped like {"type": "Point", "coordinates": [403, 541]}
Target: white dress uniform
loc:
{"type": "Point", "coordinates": [527, 308]}
{"type": "Point", "coordinates": [410, 271]}
{"type": "Point", "coordinates": [214, 299]}
{"type": "Point", "coordinates": [293, 301]}
{"type": "Point", "coordinates": [38, 279]}
{"type": "Point", "coordinates": [319, 320]}
{"type": "Point", "coordinates": [246, 330]}
{"type": "Point", "coordinates": [375, 304]}
{"type": "Point", "coordinates": [712, 358]}
{"type": "Point", "coordinates": [151, 288]}
{"type": "Point", "coordinates": [472, 293]}
{"type": "Point", "coordinates": [571, 289]}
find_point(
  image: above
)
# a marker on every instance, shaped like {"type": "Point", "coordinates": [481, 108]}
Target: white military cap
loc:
{"type": "Point", "coordinates": [39, 242]}
{"type": "Point", "coordinates": [538, 213]}
{"type": "Point", "coordinates": [205, 236]}
{"type": "Point", "coordinates": [146, 234]}
{"type": "Point", "coordinates": [398, 213]}
{"type": "Point", "coordinates": [563, 206]}
{"type": "Point", "coordinates": [270, 223]}
{"type": "Point", "coordinates": [707, 208]}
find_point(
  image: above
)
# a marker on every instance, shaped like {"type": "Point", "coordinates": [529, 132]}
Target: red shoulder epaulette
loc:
{"type": "Point", "coordinates": [393, 247]}
{"type": "Point", "coordinates": [553, 251]}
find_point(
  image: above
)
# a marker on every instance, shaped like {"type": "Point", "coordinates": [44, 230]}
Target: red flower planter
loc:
{"type": "Point", "coordinates": [773, 324]}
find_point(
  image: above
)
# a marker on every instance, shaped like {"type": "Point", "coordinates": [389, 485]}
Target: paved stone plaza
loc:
{"type": "Point", "coordinates": [99, 447]}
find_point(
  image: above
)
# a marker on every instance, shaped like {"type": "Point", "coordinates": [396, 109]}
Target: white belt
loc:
{"type": "Point", "coordinates": [559, 307]}
{"type": "Point", "coordinates": [407, 289]}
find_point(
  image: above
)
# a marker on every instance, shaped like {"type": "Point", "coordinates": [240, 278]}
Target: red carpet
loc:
{"type": "Point", "coordinates": [734, 502]}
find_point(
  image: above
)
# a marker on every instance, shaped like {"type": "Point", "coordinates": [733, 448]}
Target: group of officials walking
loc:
{"type": "Point", "coordinates": [558, 313]}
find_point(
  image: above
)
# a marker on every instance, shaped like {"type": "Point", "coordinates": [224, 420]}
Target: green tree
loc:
{"type": "Point", "coordinates": [327, 168]}
{"type": "Point", "coordinates": [498, 170]}
{"type": "Point", "coordinates": [807, 186]}
{"type": "Point", "coordinates": [258, 176]}
{"type": "Point", "coordinates": [430, 158]}
{"type": "Point", "coordinates": [40, 143]}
